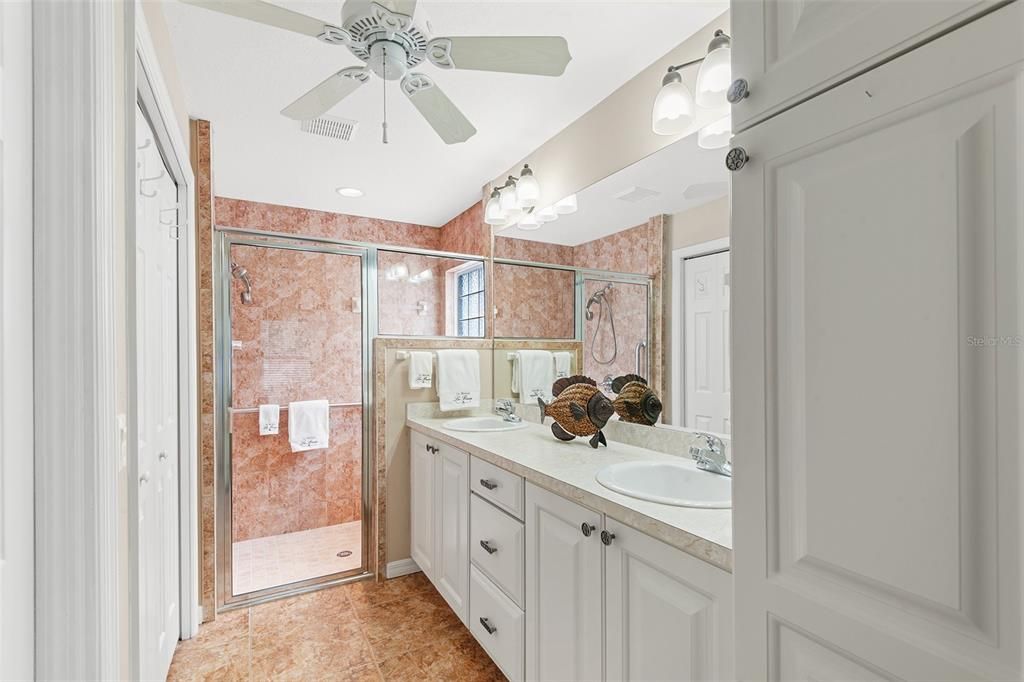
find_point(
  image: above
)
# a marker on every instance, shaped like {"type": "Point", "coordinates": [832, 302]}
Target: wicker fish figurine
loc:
{"type": "Point", "coordinates": [579, 409]}
{"type": "Point", "coordinates": [636, 402]}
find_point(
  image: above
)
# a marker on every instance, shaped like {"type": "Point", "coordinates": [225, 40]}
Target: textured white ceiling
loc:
{"type": "Point", "coordinates": [239, 75]}
{"type": "Point", "coordinates": [683, 175]}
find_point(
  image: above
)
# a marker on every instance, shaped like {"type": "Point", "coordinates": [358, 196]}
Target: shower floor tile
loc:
{"type": "Point", "coordinates": [282, 559]}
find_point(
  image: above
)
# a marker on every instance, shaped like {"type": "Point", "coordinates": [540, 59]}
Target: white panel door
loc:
{"type": "Point", "coordinates": [878, 234]}
{"type": "Point", "coordinates": [421, 503]}
{"type": "Point", "coordinates": [157, 333]}
{"type": "Point", "coordinates": [706, 342]}
{"type": "Point", "coordinates": [788, 51]}
{"type": "Point", "coordinates": [451, 529]}
{"type": "Point", "coordinates": [669, 615]}
{"type": "Point", "coordinates": [563, 589]}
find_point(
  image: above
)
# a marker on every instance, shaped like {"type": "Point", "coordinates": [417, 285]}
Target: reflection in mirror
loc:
{"type": "Point", "coordinates": [644, 308]}
{"type": "Point", "coordinates": [525, 369]}
{"type": "Point", "coordinates": [534, 302]}
{"type": "Point", "coordinates": [421, 295]}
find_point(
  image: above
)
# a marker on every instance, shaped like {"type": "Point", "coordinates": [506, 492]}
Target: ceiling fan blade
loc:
{"type": "Point", "coordinates": [332, 90]}
{"type": "Point", "coordinates": [538, 55]}
{"type": "Point", "coordinates": [274, 15]}
{"type": "Point", "coordinates": [442, 115]}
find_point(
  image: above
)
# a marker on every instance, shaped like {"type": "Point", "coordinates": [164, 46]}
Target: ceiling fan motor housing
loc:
{"type": "Point", "coordinates": [381, 36]}
{"type": "Point", "coordinates": [388, 59]}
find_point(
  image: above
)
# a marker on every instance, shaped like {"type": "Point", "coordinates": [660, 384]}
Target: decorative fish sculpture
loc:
{"type": "Point", "coordinates": [579, 409]}
{"type": "Point", "coordinates": [636, 402]}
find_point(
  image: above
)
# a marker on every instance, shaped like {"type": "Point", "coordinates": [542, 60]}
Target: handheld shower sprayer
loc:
{"type": "Point", "coordinates": [240, 273]}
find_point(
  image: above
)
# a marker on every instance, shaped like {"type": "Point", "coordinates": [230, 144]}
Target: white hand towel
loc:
{"type": "Point", "coordinates": [563, 364]}
{"type": "Point", "coordinates": [421, 369]}
{"type": "Point", "coordinates": [270, 416]}
{"type": "Point", "coordinates": [536, 374]}
{"type": "Point", "coordinates": [515, 372]}
{"type": "Point", "coordinates": [458, 379]}
{"type": "Point", "coordinates": [308, 424]}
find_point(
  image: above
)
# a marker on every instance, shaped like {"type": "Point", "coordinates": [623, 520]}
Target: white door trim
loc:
{"type": "Point", "coordinates": [155, 99]}
{"type": "Point", "coordinates": [76, 449]}
{"type": "Point", "coordinates": [676, 383]}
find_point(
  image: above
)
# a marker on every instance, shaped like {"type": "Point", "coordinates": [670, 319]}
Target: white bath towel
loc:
{"type": "Point", "coordinates": [308, 424]}
{"type": "Point", "coordinates": [536, 374]}
{"type": "Point", "coordinates": [270, 416]}
{"type": "Point", "coordinates": [563, 364]}
{"type": "Point", "coordinates": [458, 379]}
{"type": "Point", "coordinates": [421, 369]}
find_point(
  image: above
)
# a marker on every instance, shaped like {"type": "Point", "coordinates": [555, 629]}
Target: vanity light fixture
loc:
{"type": "Point", "coordinates": [529, 222]}
{"type": "Point", "coordinates": [566, 205]}
{"type": "Point", "coordinates": [349, 192]}
{"type": "Point", "coordinates": [716, 134]}
{"type": "Point", "coordinates": [546, 214]}
{"type": "Point", "coordinates": [675, 108]}
{"type": "Point", "coordinates": [511, 202]}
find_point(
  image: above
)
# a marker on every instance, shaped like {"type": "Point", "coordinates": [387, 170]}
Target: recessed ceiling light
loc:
{"type": "Point", "coordinates": [350, 192]}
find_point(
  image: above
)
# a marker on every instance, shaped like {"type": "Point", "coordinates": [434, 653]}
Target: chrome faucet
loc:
{"type": "Point", "coordinates": [507, 409]}
{"type": "Point", "coordinates": [711, 457]}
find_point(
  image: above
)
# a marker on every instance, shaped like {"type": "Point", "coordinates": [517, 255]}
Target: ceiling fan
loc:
{"type": "Point", "coordinates": [383, 35]}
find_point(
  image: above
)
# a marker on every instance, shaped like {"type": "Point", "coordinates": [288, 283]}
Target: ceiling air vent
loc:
{"type": "Point", "coordinates": [330, 126]}
{"type": "Point", "coordinates": [635, 194]}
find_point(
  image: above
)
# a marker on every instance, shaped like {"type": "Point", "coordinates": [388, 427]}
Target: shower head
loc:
{"type": "Point", "coordinates": [597, 297]}
{"type": "Point", "coordinates": [240, 273]}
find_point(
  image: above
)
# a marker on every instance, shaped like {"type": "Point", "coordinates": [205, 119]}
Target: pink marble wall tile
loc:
{"type": "Point", "coordinates": [629, 308]}
{"type": "Point", "coordinates": [400, 295]}
{"type": "Point", "coordinates": [301, 221]}
{"type": "Point", "coordinates": [537, 252]}
{"type": "Point", "coordinates": [467, 232]}
{"type": "Point", "coordinates": [637, 250]}
{"type": "Point", "coordinates": [535, 303]}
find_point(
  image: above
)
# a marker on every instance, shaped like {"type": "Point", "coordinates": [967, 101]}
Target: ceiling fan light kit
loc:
{"type": "Point", "coordinates": [383, 35]}
{"type": "Point", "coordinates": [675, 107]}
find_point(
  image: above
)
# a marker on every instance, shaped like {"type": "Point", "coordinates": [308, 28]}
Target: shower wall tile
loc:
{"type": "Point", "coordinates": [631, 250]}
{"type": "Point", "coordinates": [467, 232]}
{"type": "Point", "coordinates": [535, 303]}
{"type": "Point", "coordinates": [537, 252]}
{"type": "Point", "coordinates": [400, 312]}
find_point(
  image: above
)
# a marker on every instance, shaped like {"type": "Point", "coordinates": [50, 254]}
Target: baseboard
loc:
{"type": "Point", "coordinates": [401, 567]}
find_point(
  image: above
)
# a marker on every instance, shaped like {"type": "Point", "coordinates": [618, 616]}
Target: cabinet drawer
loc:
{"type": "Point", "coordinates": [497, 623]}
{"type": "Point", "coordinates": [496, 485]}
{"type": "Point", "coordinates": [496, 544]}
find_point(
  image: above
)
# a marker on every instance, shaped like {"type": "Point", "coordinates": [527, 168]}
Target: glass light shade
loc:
{"type": "Point", "coordinates": [673, 109]}
{"type": "Point", "coordinates": [546, 214]}
{"type": "Point", "coordinates": [508, 200]}
{"type": "Point", "coordinates": [566, 205]}
{"type": "Point", "coordinates": [529, 222]}
{"type": "Point", "coordinates": [716, 134]}
{"type": "Point", "coordinates": [714, 77]}
{"type": "Point", "coordinates": [493, 215]}
{"type": "Point", "coordinates": [527, 190]}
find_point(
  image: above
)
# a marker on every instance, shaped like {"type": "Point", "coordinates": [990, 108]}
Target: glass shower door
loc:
{"type": "Point", "coordinates": [616, 328]}
{"type": "Point", "coordinates": [298, 333]}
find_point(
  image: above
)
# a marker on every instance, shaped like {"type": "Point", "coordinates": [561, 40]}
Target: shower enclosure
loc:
{"type": "Point", "coordinates": [615, 326]}
{"type": "Point", "coordinates": [292, 326]}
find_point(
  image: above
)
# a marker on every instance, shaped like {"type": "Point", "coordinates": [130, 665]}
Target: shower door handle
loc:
{"type": "Point", "coordinates": [640, 346]}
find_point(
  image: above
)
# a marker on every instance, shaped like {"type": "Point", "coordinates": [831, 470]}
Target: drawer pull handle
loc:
{"type": "Point", "coordinates": [431, 449]}
{"type": "Point", "coordinates": [488, 546]}
{"type": "Point", "coordinates": [587, 529]}
{"type": "Point", "coordinates": [487, 626]}
{"type": "Point", "coordinates": [490, 485]}
{"type": "Point", "coordinates": [606, 537]}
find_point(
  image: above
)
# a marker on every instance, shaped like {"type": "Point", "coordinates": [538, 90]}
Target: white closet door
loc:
{"type": "Point", "coordinates": [706, 342]}
{"type": "Point", "coordinates": [157, 341]}
{"type": "Point", "coordinates": [878, 237]}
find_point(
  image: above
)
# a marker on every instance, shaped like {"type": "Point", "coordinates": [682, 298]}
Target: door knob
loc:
{"type": "Point", "coordinates": [736, 158]}
{"type": "Point", "coordinates": [606, 537]}
{"type": "Point", "coordinates": [738, 90]}
{"type": "Point", "coordinates": [587, 529]}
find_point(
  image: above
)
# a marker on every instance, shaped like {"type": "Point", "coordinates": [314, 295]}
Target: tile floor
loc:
{"type": "Point", "coordinates": [290, 557]}
{"type": "Point", "coordinates": [400, 629]}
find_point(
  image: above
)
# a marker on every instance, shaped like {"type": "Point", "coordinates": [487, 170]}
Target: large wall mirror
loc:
{"type": "Point", "coordinates": [635, 281]}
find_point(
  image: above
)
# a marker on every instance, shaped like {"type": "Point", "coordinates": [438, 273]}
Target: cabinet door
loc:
{"type": "Point", "coordinates": [451, 528]}
{"type": "Point", "coordinates": [421, 503]}
{"type": "Point", "coordinates": [669, 615]}
{"type": "Point", "coordinates": [789, 51]}
{"type": "Point", "coordinates": [563, 589]}
{"type": "Point", "coordinates": [878, 246]}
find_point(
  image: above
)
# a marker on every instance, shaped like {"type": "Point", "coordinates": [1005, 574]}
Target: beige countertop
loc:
{"type": "Point", "coordinates": [569, 469]}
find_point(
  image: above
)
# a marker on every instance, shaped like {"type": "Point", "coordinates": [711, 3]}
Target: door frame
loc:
{"type": "Point", "coordinates": [150, 92]}
{"type": "Point", "coordinates": [677, 382]}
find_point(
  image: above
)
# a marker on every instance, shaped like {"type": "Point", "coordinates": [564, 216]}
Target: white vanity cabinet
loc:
{"type": "Point", "coordinates": [789, 51]}
{"type": "Point", "coordinates": [439, 502]}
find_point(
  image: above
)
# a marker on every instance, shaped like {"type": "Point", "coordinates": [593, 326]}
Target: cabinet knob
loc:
{"type": "Point", "coordinates": [487, 626]}
{"type": "Point", "coordinates": [738, 90]}
{"type": "Point", "coordinates": [606, 537]}
{"type": "Point", "coordinates": [736, 158]}
{"type": "Point", "coordinates": [491, 549]}
{"type": "Point", "coordinates": [587, 529]}
{"type": "Point", "coordinates": [490, 485]}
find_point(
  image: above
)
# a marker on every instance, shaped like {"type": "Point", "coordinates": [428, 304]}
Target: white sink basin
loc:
{"type": "Point", "coordinates": [680, 483]}
{"type": "Point", "coordinates": [482, 424]}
